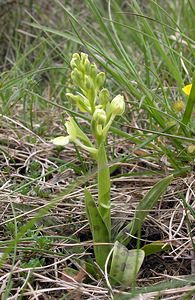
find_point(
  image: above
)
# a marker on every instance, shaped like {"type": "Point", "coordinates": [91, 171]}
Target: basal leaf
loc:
{"type": "Point", "coordinates": [98, 228]}
{"type": "Point", "coordinates": [143, 208]}
{"type": "Point", "coordinates": [125, 264]}
{"type": "Point", "coordinates": [155, 247]}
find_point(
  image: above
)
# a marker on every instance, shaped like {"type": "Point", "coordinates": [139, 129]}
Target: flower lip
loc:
{"type": "Point", "coordinates": [99, 116]}
{"type": "Point", "coordinates": [61, 140]}
{"type": "Point", "coordinates": [179, 106]}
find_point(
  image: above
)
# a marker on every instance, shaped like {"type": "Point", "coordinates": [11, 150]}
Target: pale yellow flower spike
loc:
{"type": "Point", "coordinates": [187, 89]}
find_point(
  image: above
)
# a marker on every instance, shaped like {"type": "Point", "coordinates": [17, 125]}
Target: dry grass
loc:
{"type": "Point", "coordinates": [167, 222]}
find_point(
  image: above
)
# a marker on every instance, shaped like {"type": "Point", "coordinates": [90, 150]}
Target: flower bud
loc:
{"type": "Point", "coordinates": [76, 77]}
{"type": "Point", "coordinates": [75, 60]}
{"type": "Point", "coordinates": [191, 149]}
{"type": "Point", "coordinates": [93, 71]}
{"type": "Point", "coordinates": [88, 82]}
{"type": "Point", "coordinates": [87, 67]}
{"type": "Point", "coordinates": [81, 101]}
{"type": "Point", "coordinates": [104, 97]}
{"type": "Point", "coordinates": [117, 106]}
{"type": "Point", "coordinates": [71, 96]}
{"type": "Point", "coordinates": [99, 116]}
{"type": "Point", "coordinates": [100, 79]}
{"type": "Point", "coordinates": [84, 58]}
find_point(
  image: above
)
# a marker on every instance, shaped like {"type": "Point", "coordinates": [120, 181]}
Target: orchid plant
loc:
{"type": "Point", "coordinates": [95, 100]}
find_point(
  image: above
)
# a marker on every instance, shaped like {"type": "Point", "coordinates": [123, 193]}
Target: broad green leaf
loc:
{"type": "Point", "coordinates": [125, 264]}
{"type": "Point", "coordinates": [133, 264]}
{"type": "Point", "coordinates": [143, 208]}
{"type": "Point", "coordinates": [98, 228]}
{"type": "Point", "coordinates": [155, 247]}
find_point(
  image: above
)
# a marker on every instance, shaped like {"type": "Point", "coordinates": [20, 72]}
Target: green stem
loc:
{"type": "Point", "coordinates": [104, 205]}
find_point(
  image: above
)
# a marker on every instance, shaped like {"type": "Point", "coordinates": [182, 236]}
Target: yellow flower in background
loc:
{"type": "Point", "coordinates": [178, 105]}
{"type": "Point", "coordinates": [191, 149]}
{"type": "Point", "coordinates": [187, 89]}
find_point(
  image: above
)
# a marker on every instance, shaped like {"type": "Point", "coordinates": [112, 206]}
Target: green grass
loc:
{"type": "Point", "coordinates": [147, 51]}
